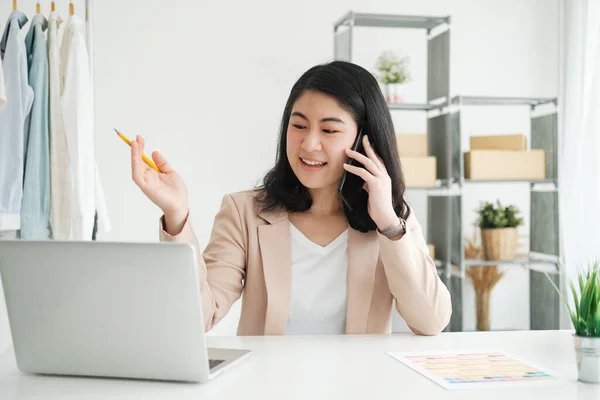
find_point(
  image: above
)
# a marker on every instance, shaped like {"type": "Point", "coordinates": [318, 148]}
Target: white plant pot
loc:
{"type": "Point", "coordinates": [383, 88]}
{"type": "Point", "coordinates": [394, 93]}
{"type": "Point", "coordinates": [587, 350]}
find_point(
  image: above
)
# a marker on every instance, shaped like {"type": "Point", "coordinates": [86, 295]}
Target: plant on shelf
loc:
{"type": "Point", "coordinates": [498, 230]}
{"type": "Point", "coordinates": [586, 319]}
{"type": "Point", "coordinates": [392, 73]}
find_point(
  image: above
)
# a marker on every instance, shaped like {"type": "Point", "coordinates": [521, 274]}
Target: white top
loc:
{"type": "Point", "coordinates": [60, 173]}
{"type": "Point", "coordinates": [78, 119]}
{"type": "Point", "coordinates": [2, 87]}
{"type": "Point", "coordinates": [336, 367]}
{"type": "Point", "coordinates": [319, 285]}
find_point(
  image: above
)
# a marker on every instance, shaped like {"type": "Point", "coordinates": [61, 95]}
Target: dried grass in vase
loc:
{"type": "Point", "coordinates": [484, 279]}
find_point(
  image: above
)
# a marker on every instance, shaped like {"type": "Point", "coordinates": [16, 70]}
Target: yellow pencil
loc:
{"type": "Point", "coordinates": [146, 159]}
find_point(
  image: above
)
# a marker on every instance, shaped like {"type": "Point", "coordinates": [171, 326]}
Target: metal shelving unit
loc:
{"type": "Point", "coordinates": [390, 21]}
{"type": "Point", "coordinates": [498, 181]}
{"type": "Point", "coordinates": [444, 202]}
{"type": "Point", "coordinates": [519, 261]}
{"type": "Point", "coordinates": [438, 45]}
{"type": "Point", "coordinates": [412, 107]}
{"type": "Point", "coordinates": [501, 101]}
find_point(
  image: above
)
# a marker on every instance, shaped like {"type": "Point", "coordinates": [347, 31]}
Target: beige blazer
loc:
{"type": "Point", "coordinates": [250, 252]}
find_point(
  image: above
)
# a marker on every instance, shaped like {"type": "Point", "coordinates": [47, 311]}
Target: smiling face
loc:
{"type": "Point", "coordinates": [318, 133]}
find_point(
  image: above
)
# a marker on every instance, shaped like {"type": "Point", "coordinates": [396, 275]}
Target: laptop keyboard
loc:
{"type": "Point", "coordinates": [214, 363]}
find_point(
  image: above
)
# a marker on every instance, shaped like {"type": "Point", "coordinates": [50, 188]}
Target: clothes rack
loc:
{"type": "Point", "coordinates": [88, 34]}
{"type": "Point", "coordinates": [82, 12]}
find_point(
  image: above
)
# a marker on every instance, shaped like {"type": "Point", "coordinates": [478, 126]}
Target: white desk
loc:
{"type": "Point", "coordinates": [348, 367]}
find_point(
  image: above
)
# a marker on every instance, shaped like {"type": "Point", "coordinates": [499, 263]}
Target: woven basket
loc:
{"type": "Point", "coordinates": [499, 244]}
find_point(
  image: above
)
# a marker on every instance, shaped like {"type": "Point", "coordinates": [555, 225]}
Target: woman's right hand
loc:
{"type": "Point", "coordinates": [166, 189]}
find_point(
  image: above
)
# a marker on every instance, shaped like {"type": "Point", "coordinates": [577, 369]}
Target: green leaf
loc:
{"type": "Point", "coordinates": [582, 327]}
{"type": "Point", "coordinates": [583, 307]}
{"type": "Point", "coordinates": [566, 303]}
{"type": "Point", "coordinates": [597, 308]}
{"type": "Point", "coordinates": [575, 297]}
{"type": "Point", "coordinates": [589, 301]}
{"type": "Point", "coordinates": [575, 322]}
{"type": "Point", "coordinates": [587, 297]}
{"type": "Point", "coordinates": [597, 333]}
{"type": "Point", "coordinates": [591, 318]}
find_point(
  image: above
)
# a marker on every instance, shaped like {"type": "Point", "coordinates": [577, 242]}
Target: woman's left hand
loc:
{"type": "Point", "coordinates": [378, 185]}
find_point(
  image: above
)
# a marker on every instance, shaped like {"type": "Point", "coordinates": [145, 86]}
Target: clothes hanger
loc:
{"type": "Point", "coordinates": [53, 6]}
{"type": "Point", "coordinates": [71, 8]}
{"type": "Point", "coordinates": [37, 8]}
{"type": "Point", "coordinates": [15, 6]}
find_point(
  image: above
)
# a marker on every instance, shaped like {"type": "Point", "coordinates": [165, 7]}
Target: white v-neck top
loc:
{"type": "Point", "coordinates": [319, 286]}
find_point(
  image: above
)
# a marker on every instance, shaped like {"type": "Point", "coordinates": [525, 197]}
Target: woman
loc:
{"type": "Point", "coordinates": [304, 261]}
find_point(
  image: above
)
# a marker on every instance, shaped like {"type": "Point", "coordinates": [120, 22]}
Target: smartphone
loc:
{"type": "Point", "coordinates": [351, 185]}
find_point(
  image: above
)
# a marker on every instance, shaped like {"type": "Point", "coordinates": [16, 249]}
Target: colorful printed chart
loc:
{"type": "Point", "coordinates": [476, 369]}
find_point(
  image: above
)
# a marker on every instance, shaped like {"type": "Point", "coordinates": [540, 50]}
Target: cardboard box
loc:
{"type": "Point", "coordinates": [505, 164]}
{"type": "Point", "coordinates": [412, 145]}
{"type": "Point", "coordinates": [499, 142]}
{"type": "Point", "coordinates": [419, 171]}
{"type": "Point", "coordinates": [431, 251]}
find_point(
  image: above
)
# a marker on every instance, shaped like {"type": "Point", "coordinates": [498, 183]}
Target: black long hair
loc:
{"type": "Point", "coordinates": [357, 90]}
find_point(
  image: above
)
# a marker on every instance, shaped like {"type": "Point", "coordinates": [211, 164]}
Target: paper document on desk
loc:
{"type": "Point", "coordinates": [476, 369]}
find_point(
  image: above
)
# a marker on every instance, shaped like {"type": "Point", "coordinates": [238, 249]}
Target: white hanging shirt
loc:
{"type": "Point", "coordinates": [78, 119]}
{"type": "Point", "coordinates": [319, 286]}
{"type": "Point", "coordinates": [2, 87]}
{"type": "Point", "coordinates": [60, 173]}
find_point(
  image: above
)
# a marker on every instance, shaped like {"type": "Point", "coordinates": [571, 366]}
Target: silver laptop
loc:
{"type": "Point", "coordinates": [123, 310]}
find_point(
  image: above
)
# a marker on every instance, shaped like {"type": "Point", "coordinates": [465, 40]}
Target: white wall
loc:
{"type": "Point", "coordinates": [206, 83]}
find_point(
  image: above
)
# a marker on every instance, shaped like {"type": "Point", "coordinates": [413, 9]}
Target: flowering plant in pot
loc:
{"type": "Point", "coordinates": [498, 230]}
{"type": "Point", "coordinates": [392, 73]}
{"type": "Point", "coordinates": [586, 320]}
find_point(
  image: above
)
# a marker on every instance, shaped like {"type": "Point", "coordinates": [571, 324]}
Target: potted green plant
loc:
{"type": "Point", "coordinates": [392, 73]}
{"type": "Point", "coordinates": [498, 226]}
{"type": "Point", "coordinates": [586, 320]}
